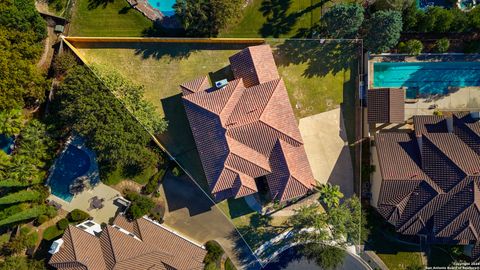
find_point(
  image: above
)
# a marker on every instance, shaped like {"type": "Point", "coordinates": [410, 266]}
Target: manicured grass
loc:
{"type": "Point", "coordinates": [286, 18]}
{"type": "Point", "coordinates": [27, 214]}
{"type": "Point", "coordinates": [237, 210]}
{"type": "Point", "coordinates": [52, 232]}
{"type": "Point", "coordinates": [113, 18]}
{"type": "Point", "coordinates": [116, 176]}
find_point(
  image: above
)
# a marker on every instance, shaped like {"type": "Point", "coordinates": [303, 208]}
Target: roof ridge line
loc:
{"type": "Point", "coordinates": [238, 82]}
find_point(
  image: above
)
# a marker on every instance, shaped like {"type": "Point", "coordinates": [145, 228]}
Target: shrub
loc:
{"type": "Point", "coordinates": [412, 47]}
{"type": "Point", "coordinates": [51, 212]}
{"type": "Point", "coordinates": [62, 224]}
{"type": "Point", "coordinates": [77, 215]}
{"type": "Point", "coordinates": [51, 233]}
{"type": "Point", "coordinates": [42, 219]}
{"type": "Point", "coordinates": [214, 252]}
{"type": "Point", "coordinates": [140, 205]}
{"type": "Point", "coordinates": [442, 45]}
{"type": "Point", "coordinates": [176, 171]}
{"type": "Point", "coordinates": [153, 182]}
{"type": "Point", "coordinates": [229, 265]}
{"type": "Point", "coordinates": [157, 213]}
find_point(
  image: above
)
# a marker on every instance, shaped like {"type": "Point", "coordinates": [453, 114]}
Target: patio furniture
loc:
{"type": "Point", "coordinates": [97, 203]}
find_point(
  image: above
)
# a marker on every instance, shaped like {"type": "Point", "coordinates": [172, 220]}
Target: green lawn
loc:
{"type": "Point", "coordinates": [270, 18]}
{"type": "Point", "coordinates": [113, 18]}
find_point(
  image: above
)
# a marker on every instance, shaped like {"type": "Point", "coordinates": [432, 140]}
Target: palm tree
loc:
{"type": "Point", "coordinates": [330, 195]}
{"type": "Point", "coordinates": [23, 170]}
{"type": "Point", "coordinates": [11, 122]}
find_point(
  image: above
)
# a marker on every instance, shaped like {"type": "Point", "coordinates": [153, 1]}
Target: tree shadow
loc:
{"type": "Point", "coordinates": [166, 27]}
{"type": "Point", "coordinates": [321, 58]}
{"type": "Point", "coordinates": [93, 4]}
{"type": "Point", "coordinates": [279, 21]}
{"type": "Point", "coordinates": [125, 10]}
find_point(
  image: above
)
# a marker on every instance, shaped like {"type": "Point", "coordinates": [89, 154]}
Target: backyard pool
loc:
{"type": "Point", "coordinates": [6, 143]}
{"type": "Point", "coordinates": [291, 259]}
{"type": "Point", "coordinates": [165, 6]}
{"type": "Point", "coordinates": [426, 77]}
{"type": "Point", "coordinates": [75, 161]}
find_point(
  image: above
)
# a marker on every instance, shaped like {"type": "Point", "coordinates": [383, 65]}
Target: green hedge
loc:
{"type": "Point", "coordinates": [21, 196]}
{"type": "Point", "coordinates": [77, 215]}
{"type": "Point", "coordinates": [52, 232]}
{"type": "Point", "coordinates": [24, 215]}
{"type": "Point", "coordinates": [153, 182]}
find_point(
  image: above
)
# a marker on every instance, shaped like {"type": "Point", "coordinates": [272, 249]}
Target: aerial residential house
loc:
{"type": "Point", "coordinates": [141, 244]}
{"type": "Point", "coordinates": [245, 130]}
{"type": "Point", "coordinates": [430, 179]}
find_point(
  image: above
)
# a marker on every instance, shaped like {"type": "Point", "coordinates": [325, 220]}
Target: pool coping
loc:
{"type": "Point", "coordinates": [93, 171]}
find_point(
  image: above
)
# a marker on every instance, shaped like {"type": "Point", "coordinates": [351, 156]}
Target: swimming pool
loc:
{"type": "Point", "coordinates": [426, 77]}
{"type": "Point", "coordinates": [165, 6]}
{"type": "Point", "coordinates": [75, 161]}
{"type": "Point", "coordinates": [6, 143]}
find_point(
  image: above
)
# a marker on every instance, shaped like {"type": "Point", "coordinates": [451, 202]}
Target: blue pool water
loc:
{"type": "Point", "coordinates": [73, 163]}
{"type": "Point", "coordinates": [6, 143]}
{"type": "Point", "coordinates": [165, 6]}
{"type": "Point", "coordinates": [426, 77]}
{"type": "Point", "coordinates": [424, 4]}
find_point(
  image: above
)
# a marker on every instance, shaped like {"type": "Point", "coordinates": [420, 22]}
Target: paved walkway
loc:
{"type": "Point", "coordinates": [327, 149]}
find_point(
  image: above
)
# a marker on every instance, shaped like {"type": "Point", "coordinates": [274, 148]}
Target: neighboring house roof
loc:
{"type": "Point", "coordinates": [240, 127]}
{"type": "Point", "coordinates": [431, 179]}
{"type": "Point", "coordinates": [386, 105]}
{"type": "Point", "coordinates": [140, 244]}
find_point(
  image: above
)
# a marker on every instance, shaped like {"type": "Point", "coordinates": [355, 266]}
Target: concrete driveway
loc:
{"type": "Point", "coordinates": [190, 212]}
{"type": "Point", "coordinates": [327, 149]}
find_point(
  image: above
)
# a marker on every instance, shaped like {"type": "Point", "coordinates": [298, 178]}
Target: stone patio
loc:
{"type": "Point", "coordinates": [82, 202]}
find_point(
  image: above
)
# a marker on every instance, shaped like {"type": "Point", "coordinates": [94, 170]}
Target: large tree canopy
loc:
{"type": "Point", "coordinates": [207, 17]}
{"type": "Point", "coordinates": [21, 32]}
{"type": "Point", "coordinates": [88, 108]}
{"type": "Point", "coordinates": [343, 20]}
{"type": "Point", "coordinates": [383, 31]}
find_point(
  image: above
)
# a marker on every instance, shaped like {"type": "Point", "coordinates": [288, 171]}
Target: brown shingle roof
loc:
{"type": "Point", "coordinates": [116, 249]}
{"type": "Point", "coordinates": [386, 105]}
{"type": "Point", "coordinates": [431, 181]}
{"type": "Point", "coordinates": [237, 127]}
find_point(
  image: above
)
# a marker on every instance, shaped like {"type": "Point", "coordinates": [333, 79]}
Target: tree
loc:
{"type": "Point", "coordinates": [84, 105]}
{"type": "Point", "coordinates": [412, 47]}
{"type": "Point", "coordinates": [330, 195]}
{"type": "Point", "coordinates": [411, 15]}
{"type": "Point", "coordinates": [21, 263]}
{"type": "Point", "coordinates": [77, 215]}
{"type": "Point", "coordinates": [11, 122]}
{"type": "Point", "coordinates": [140, 205]}
{"type": "Point", "coordinates": [383, 31]}
{"type": "Point", "coordinates": [214, 252]}
{"type": "Point", "coordinates": [64, 62]}
{"type": "Point", "coordinates": [207, 17]}
{"type": "Point", "coordinates": [327, 257]}
{"type": "Point", "coordinates": [343, 20]}
{"type": "Point", "coordinates": [35, 143]}
{"type": "Point", "coordinates": [62, 224]}
{"type": "Point", "coordinates": [436, 19]}
{"type": "Point", "coordinates": [442, 45]}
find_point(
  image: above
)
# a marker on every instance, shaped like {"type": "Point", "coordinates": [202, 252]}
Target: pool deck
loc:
{"type": "Point", "coordinates": [82, 202]}
{"type": "Point", "coordinates": [148, 11]}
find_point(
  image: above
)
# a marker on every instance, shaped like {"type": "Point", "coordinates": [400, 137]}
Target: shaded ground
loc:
{"type": "Point", "coordinates": [276, 18]}
{"type": "Point", "coordinates": [107, 18]}
{"type": "Point", "coordinates": [190, 212]}
{"type": "Point", "coordinates": [383, 240]}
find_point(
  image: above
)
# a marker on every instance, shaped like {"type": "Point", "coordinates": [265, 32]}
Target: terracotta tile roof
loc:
{"type": "Point", "coordinates": [120, 250]}
{"type": "Point", "coordinates": [386, 105]}
{"type": "Point", "coordinates": [236, 129]}
{"type": "Point", "coordinates": [255, 65]}
{"type": "Point", "coordinates": [431, 181]}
